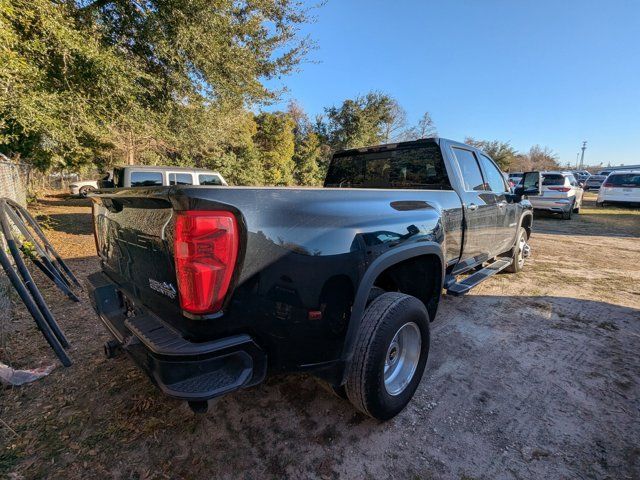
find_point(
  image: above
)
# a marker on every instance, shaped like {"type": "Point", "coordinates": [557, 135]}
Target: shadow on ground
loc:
{"type": "Point", "coordinates": [534, 386]}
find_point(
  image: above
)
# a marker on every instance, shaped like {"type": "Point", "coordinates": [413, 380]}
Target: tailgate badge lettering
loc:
{"type": "Point", "coordinates": [165, 288]}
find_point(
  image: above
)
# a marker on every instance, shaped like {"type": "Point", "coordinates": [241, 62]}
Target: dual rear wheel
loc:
{"type": "Point", "coordinates": [390, 355]}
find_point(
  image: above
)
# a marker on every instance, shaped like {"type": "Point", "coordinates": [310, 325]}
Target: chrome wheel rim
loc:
{"type": "Point", "coordinates": [401, 361]}
{"type": "Point", "coordinates": [523, 250]}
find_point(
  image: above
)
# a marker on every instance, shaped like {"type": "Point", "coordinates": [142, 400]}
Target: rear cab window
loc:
{"type": "Point", "coordinates": [410, 167]}
{"type": "Point", "coordinates": [146, 179]}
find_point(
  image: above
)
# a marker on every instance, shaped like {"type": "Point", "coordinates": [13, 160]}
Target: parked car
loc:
{"type": "Point", "coordinates": [157, 176]}
{"type": "Point", "coordinates": [621, 187]}
{"type": "Point", "coordinates": [83, 188]}
{"type": "Point", "coordinates": [210, 289]}
{"type": "Point", "coordinates": [594, 182]}
{"type": "Point", "coordinates": [581, 175]}
{"type": "Point", "coordinates": [561, 193]}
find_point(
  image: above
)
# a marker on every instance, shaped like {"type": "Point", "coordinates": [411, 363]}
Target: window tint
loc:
{"type": "Point", "coordinates": [494, 176]}
{"type": "Point", "coordinates": [470, 169]}
{"type": "Point", "coordinates": [146, 179]}
{"type": "Point", "coordinates": [180, 179]}
{"type": "Point", "coordinates": [550, 180]}
{"type": "Point", "coordinates": [624, 180]}
{"type": "Point", "coordinates": [208, 179]}
{"type": "Point", "coordinates": [418, 167]}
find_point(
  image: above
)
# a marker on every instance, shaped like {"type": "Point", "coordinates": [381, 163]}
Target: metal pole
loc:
{"type": "Point", "coordinates": [584, 147]}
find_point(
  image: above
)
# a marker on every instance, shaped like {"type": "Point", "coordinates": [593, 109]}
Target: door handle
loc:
{"type": "Point", "coordinates": [473, 206]}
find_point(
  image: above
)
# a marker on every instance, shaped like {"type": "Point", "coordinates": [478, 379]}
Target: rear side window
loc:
{"type": "Point", "coordinates": [495, 179]}
{"type": "Point", "coordinates": [470, 169]}
{"type": "Point", "coordinates": [180, 179]}
{"type": "Point", "coordinates": [208, 179]}
{"type": "Point", "coordinates": [420, 167]}
{"type": "Point", "coordinates": [146, 179]}
{"type": "Point", "coordinates": [624, 180]}
{"type": "Point", "coordinates": [552, 180]}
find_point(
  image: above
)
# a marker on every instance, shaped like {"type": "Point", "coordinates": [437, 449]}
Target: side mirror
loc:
{"type": "Point", "coordinates": [530, 186]}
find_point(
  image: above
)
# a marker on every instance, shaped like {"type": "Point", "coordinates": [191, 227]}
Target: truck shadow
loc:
{"type": "Point", "coordinates": [72, 223]}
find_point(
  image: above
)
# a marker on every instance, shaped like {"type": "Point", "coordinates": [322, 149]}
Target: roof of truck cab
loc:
{"type": "Point", "coordinates": [390, 146]}
{"type": "Point", "coordinates": [167, 168]}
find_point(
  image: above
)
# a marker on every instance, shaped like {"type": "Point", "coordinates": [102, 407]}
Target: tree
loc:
{"type": "Point", "coordinates": [307, 150]}
{"type": "Point", "coordinates": [365, 120]}
{"type": "Point", "coordinates": [117, 80]}
{"type": "Point", "coordinates": [501, 152]}
{"type": "Point", "coordinates": [274, 141]}
{"type": "Point", "coordinates": [426, 128]}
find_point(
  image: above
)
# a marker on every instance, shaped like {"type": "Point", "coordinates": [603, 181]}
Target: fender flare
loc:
{"type": "Point", "coordinates": [379, 265]}
{"type": "Point", "coordinates": [526, 213]}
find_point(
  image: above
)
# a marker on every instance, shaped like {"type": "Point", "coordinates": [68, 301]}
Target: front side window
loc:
{"type": "Point", "coordinates": [180, 179]}
{"type": "Point", "coordinates": [146, 179]}
{"type": "Point", "coordinates": [495, 179]}
{"type": "Point", "coordinates": [209, 179]}
{"type": "Point", "coordinates": [470, 169]}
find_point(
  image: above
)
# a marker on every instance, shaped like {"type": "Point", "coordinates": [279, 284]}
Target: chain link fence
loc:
{"type": "Point", "coordinates": [14, 184]}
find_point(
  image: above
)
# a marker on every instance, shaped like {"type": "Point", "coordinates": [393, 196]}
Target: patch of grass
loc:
{"type": "Point", "coordinates": [8, 460]}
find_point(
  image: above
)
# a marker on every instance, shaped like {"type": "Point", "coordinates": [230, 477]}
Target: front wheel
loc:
{"type": "Point", "coordinates": [520, 251]}
{"type": "Point", "coordinates": [390, 355]}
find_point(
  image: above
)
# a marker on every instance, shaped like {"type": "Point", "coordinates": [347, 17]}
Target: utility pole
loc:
{"type": "Point", "coordinates": [577, 160]}
{"type": "Point", "coordinates": [584, 147]}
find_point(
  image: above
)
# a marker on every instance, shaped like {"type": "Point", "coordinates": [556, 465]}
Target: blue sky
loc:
{"type": "Point", "coordinates": [530, 71]}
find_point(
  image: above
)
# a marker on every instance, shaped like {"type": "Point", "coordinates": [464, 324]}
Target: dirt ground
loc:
{"type": "Point", "coordinates": [534, 375]}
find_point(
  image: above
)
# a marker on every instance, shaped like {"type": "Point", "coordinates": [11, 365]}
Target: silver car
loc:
{"type": "Point", "coordinates": [561, 193]}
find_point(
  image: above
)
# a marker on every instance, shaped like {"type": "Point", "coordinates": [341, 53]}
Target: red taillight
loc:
{"type": "Point", "coordinates": [205, 249]}
{"type": "Point", "coordinates": [560, 189]}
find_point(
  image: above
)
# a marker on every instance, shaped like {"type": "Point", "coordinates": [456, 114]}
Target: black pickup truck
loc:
{"type": "Point", "coordinates": [211, 288]}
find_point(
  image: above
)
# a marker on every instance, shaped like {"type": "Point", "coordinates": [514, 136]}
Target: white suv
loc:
{"type": "Point", "coordinates": [620, 187]}
{"type": "Point", "coordinates": [561, 193]}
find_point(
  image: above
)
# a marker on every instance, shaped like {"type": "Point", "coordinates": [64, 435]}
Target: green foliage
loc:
{"type": "Point", "coordinates": [501, 152]}
{"type": "Point", "coordinates": [274, 141]}
{"type": "Point", "coordinates": [146, 82]}
{"type": "Point", "coordinates": [358, 122]}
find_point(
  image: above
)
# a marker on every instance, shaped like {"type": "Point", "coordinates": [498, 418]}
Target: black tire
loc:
{"type": "Point", "coordinates": [567, 215]}
{"type": "Point", "coordinates": [365, 385]}
{"type": "Point", "coordinates": [517, 258]}
{"type": "Point", "coordinates": [84, 191]}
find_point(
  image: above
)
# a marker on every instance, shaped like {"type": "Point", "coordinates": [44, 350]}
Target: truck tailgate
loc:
{"type": "Point", "coordinates": [133, 238]}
